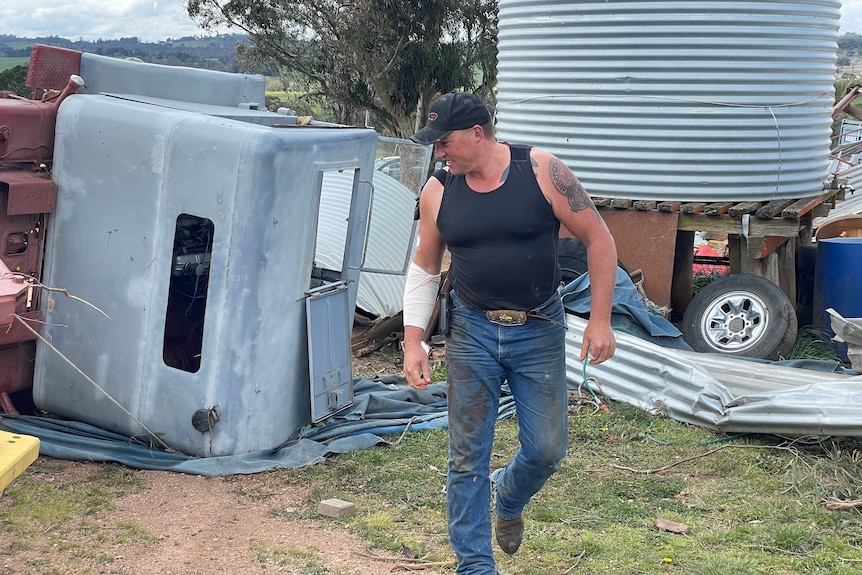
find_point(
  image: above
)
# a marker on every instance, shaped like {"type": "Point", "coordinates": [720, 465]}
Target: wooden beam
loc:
{"type": "Point", "coordinates": [772, 209]}
{"type": "Point", "coordinates": [803, 206]}
{"type": "Point", "coordinates": [601, 202]}
{"type": "Point", "coordinates": [778, 267]}
{"type": "Point", "coordinates": [681, 285]}
{"type": "Point", "coordinates": [717, 209]}
{"type": "Point", "coordinates": [822, 210]}
{"type": "Point", "coordinates": [760, 247]}
{"type": "Point", "coordinates": [744, 208]}
{"type": "Point", "coordinates": [854, 111]}
{"type": "Point", "coordinates": [729, 225]}
{"type": "Point", "coordinates": [845, 100]}
{"type": "Point", "coordinates": [669, 206]}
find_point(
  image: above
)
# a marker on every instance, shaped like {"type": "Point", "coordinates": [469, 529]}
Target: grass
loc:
{"type": "Point", "coordinates": [63, 514]}
{"type": "Point", "coordinates": [9, 63]}
{"type": "Point", "coordinates": [55, 503]}
{"type": "Point", "coordinates": [754, 504]}
{"type": "Point", "coordinates": [699, 281]}
{"type": "Point", "coordinates": [812, 343]}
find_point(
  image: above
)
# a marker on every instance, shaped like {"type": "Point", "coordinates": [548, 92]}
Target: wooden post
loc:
{"type": "Point", "coordinates": [682, 284]}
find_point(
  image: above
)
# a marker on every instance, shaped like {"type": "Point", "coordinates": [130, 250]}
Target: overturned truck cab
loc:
{"type": "Point", "coordinates": [185, 230]}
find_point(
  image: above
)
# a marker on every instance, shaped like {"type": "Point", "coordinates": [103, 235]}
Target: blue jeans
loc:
{"type": "Point", "coordinates": [480, 357]}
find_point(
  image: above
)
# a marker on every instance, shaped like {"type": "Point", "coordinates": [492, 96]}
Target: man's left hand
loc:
{"type": "Point", "coordinates": [599, 344]}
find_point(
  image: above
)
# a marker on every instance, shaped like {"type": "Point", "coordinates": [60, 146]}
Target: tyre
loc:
{"type": "Point", "coordinates": [744, 315]}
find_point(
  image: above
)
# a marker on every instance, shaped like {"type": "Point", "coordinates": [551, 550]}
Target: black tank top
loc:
{"type": "Point", "coordinates": [503, 243]}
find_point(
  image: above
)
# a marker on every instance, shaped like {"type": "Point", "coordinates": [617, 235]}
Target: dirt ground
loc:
{"type": "Point", "coordinates": [203, 526]}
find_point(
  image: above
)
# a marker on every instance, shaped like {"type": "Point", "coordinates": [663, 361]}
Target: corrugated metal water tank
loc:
{"type": "Point", "coordinates": [158, 206]}
{"type": "Point", "coordinates": [673, 100]}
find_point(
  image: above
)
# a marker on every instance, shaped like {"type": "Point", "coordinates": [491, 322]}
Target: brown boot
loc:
{"type": "Point", "coordinates": [509, 533]}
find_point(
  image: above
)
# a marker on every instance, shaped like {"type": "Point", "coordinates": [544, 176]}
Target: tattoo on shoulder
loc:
{"type": "Point", "coordinates": [569, 185]}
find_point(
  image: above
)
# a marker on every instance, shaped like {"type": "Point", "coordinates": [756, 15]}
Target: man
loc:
{"type": "Point", "coordinates": [498, 209]}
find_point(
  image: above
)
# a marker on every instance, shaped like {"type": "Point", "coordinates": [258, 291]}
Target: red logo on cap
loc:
{"type": "Point", "coordinates": [432, 116]}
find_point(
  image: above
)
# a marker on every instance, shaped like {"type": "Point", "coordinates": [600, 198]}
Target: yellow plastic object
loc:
{"type": "Point", "coordinates": [17, 452]}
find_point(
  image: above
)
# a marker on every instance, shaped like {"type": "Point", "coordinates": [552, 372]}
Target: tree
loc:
{"type": "Point", "coordinates": [13, 80]}
{"type": "Point", "coordinates": [850, 44]}
{"type": "Point", "coordinates": [387, 57]}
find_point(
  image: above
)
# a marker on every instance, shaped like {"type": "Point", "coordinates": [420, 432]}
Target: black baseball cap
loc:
{"type": "Point", "coordinates": [450, 112]}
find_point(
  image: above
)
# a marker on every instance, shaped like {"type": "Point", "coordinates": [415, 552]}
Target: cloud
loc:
{"type": "Point", "coordinates": [96, 19]}
{"type": "Point", "coordinates": [153, 20]}
{"type": "Point", "coordinates": [851, 16]}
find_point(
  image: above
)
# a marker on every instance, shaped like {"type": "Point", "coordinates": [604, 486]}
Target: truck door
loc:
{"type": "Point", "coordinates": [365, 227]}
{"type": "Point", "coordinates": [329, 325]}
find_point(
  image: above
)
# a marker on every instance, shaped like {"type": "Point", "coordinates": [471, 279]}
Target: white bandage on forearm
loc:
{"type": "Point", "coordinates": [420, 294]}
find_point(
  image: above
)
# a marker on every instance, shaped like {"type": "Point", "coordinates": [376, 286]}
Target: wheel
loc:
{"type": "Point", "coordinates": [741, 314]}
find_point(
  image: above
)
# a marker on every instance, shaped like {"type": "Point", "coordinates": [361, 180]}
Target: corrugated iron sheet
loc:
{"type": "Point", "coordinates": [673, 100]}
{"type": "Point", "coordinates": [852, 174]}
{"type": "Point", "coordinates": [388, 246]}
{"type": "Point", "coordinates": [720, 393]}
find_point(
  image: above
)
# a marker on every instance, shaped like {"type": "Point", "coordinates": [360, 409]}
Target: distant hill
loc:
{"type": "Point", "coordinates": [219, 52]}
{"type": "Point", "coordinates": [210, 52]}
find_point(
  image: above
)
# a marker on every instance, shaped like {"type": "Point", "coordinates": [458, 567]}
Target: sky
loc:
{"type": "Point", "coordinates": [851, 16]}
{"type": "Point", "coordinates": [154, 20]}
{"type": "Point", "coordinates": [149, 20]}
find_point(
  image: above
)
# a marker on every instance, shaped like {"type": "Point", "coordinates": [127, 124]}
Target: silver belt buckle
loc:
{"type": "Point", "coordinates": [506, 317]}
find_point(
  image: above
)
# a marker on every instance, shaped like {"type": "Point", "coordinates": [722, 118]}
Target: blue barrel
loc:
{"type": "Point", "coordinates": [837, 282]}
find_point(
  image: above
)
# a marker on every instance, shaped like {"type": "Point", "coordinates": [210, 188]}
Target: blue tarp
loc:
{"type": "Point", "coordinates": [629, 314]}
{"type": "Point", "coordinates": [382, 406]}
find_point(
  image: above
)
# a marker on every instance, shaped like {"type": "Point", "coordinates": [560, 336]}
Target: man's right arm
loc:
{"type": "Point", "coordinates": [423, 279]}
